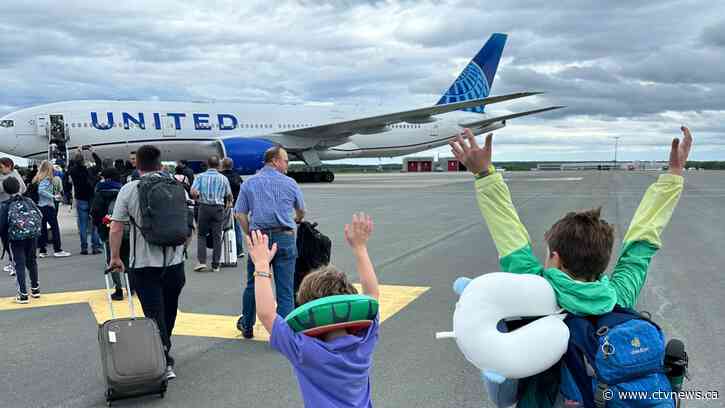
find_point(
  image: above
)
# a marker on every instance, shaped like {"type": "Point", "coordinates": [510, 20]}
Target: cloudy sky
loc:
{"type": "Point", "coordinates": [634, 72]}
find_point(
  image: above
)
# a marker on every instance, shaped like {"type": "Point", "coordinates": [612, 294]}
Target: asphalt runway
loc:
{"type": "Point", "coordinates": [428, 231]}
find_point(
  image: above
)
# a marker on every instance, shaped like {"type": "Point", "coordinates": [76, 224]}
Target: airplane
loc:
{"type": "Point", "coordinates": [194, 131]}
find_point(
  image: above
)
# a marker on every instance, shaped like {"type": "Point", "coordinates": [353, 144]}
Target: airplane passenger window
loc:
{"type": "Point", "coordinates": [7, 123]}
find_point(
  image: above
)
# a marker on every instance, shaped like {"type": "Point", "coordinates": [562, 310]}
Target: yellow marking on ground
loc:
{"type": "Point", "coordinates": [393, 298]}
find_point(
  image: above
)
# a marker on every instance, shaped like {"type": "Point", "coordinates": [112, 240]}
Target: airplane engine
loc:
{"type": "Point", "coordinates": [247, 153]}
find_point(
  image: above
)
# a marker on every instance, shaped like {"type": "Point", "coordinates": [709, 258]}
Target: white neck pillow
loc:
{"type": "Point", "coordinates": [523, 352]}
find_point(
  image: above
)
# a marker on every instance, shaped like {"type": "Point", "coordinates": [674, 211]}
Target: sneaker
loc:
{"type": "Point", "coordinates": [35, 292]}
{"type": "Point", "coordinates": [246, 333]}
{"type": "Point", "coordinates": [84, 252]}
{"type": "Point", "coordinates": [42, 255]}
{"type": "Point", "coordinates": [215, 269]}
{"type": "Point", "coordinates": [10, 269]}
{"type": "Point", "coordinates": [241, 255]}
{"type": "Point", "coordinates": [12, 272]}
{"type": "Point", "coordinates": [117, 295]}
{"type": "Point", "coordinates": [61, 254]}
{"type": "Point", "coordinates": [201, 268]}
{"type": "Point", "coordinates": [22, 299]}
{"type": "Point", "coordinates": [170, 374]}
{"type": "Point", "coordinates": [96, 251]}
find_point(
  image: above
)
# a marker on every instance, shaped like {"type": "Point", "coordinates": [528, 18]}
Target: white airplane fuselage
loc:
{"type": "Point", "coordinates": [193, 131]}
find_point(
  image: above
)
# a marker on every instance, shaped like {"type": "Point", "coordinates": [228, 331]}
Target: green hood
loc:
{"type": "Point", "coordinates": [585, 298]}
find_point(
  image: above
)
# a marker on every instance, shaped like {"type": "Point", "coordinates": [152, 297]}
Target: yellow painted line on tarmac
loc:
{"type": "Point", "coordinates": [393, 298]}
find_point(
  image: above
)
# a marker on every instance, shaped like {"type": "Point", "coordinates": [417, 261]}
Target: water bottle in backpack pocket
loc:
{"type": "Point", "coordinates": [615, 360]}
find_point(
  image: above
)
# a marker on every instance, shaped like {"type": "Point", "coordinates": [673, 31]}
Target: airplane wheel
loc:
{"type": "Point", "coordinates": [329, 177]}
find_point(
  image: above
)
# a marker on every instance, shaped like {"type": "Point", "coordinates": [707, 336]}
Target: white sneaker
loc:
{"type": "Point", "coordinates": [9, 268]}
{"type": "Point", "coordinates": [216, 269]}
{"type": "Point", "coordinates": [170, 374]}
{"type": "Point", "coordinates": [42, 255]}
{"type": "Point", "coordinates": [61, 254]}
{"type": "Point", "coordinates": [200, 268]}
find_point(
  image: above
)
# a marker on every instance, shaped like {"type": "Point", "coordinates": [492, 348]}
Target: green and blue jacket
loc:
{"type": "Point", "coordinates": [642, 240]}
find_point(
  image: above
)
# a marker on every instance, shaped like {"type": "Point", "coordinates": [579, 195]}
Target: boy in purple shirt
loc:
{"type": "Point", "coordinates": [333, 371]}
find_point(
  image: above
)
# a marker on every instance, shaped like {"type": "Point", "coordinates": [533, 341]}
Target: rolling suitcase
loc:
{"type": "Point", "coordinates": [229, 241]}
{"type": "Point", "coordinates": [132, 354]}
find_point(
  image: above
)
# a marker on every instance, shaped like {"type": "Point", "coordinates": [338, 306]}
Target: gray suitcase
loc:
{"type": "Point", "coordinates": [132, 354]}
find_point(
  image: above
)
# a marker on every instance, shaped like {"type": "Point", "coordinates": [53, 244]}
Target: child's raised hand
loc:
{"type": "Point", "coordinates": [680, 151]}
{"type": "Point", "coordinates": [358, 233]}
{"type": "Point", "coordinates": [258, 248]}
{"type": "Point", "coordinates": [475, 158]}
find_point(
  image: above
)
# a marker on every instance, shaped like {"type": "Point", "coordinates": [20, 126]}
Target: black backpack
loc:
{"type": "Point", "coordinates": [165, 218]}
{"type": "Point", "coordinates": [31, 191]}
{"type": "Point", "coordinates": [313, 251]}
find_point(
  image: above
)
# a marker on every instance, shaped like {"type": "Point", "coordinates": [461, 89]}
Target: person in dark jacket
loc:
{"type": "Point", "coordinates": [235, 182]}
{"type": "Point", "coordinates": [84, 180]}
{"type": "Point", "coordinates": [104, 197]}
{"type": "Point", "coordinates": [186, 170]}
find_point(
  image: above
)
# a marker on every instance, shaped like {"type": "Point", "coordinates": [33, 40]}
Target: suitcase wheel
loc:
{"type": "Point", "coordinates": [109, 396]}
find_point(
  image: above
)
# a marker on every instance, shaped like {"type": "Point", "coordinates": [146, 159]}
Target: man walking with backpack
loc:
{"type": "Point", "coordinates": [7, 169]}
{"type": "Point", "coordinates": [266, 203]}
{"type": "Point", "coordinates": [20, 221]}
{"type": "Point", "coordinates": [156, 208]}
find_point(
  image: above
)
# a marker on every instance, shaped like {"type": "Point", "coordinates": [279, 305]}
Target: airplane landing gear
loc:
{"type": "Point", "coordinates": [324, 176]}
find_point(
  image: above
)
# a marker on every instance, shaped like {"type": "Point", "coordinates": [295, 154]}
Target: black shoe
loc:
{"type": "Point", "coordinates": [35, 292]}
{"type": "Point", "coordinates": [117, 295]}
{"type": "Point", "coordinates": [22, 299]}
{"type": "Point", "coordinates": [96, 251]}
{"type": "Point", "coordinates": [246, 333]}
{"type": "Point", "coordinates": [84, 252]}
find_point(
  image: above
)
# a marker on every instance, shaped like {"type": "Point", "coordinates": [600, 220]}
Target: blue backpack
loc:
{"type": "Point", "coordinates": [612, 355]}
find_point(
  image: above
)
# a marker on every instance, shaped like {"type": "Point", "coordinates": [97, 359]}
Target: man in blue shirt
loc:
{"type": "Point", "coordinates": [212, 192]}
{"type": "Point", "coordinates": [266, 202]}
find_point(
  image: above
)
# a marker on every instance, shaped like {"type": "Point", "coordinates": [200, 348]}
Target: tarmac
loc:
{"type": "Point", "coordinates": [428, 231]}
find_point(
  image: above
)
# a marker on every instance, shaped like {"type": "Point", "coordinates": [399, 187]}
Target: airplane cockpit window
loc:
{"type": "Point", "coordinates": [7, 123]}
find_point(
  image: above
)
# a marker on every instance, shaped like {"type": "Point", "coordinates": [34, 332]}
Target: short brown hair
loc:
{"type": "Point", "coordinates": [326, 281]}
{"type": "Point", "coordinates": [584, 243]}
{"type": "Point", "coordinates": [148, 158]}
{"type": "Point", "coordinates": [227, 163]}
{"type": "Point", "coordinates": [272, 153]}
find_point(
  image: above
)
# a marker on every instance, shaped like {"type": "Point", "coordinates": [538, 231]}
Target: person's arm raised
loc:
{"type": "Point", "coordinates": [643, 238]}
{"type": "Point", "coordinates": [261, 255]}
{"type": "Point", "coordinates": [357, 234]}
{"type": "Point", "coordinates": [494, 200]}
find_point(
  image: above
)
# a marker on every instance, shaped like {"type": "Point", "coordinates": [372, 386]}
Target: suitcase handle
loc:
{"type": "Point", "coordinates": [124, 278]}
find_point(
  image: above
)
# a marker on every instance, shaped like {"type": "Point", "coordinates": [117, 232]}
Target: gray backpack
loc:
{"type": "Point", "coordinates": [165, 219]}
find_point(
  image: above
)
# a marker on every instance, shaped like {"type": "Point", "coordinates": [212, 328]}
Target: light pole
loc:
{"type": "Point", "coordinates": [616, 145]}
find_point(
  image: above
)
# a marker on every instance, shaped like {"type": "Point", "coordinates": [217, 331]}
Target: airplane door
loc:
{"type": "Point", "coordinates": [169, 127]}
{"type": "Point", "coordinates": [41, 126]}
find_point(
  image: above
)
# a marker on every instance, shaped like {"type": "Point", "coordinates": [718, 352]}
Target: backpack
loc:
{"type": "Point", "coordinates": [621, 351]}
{"type": "Point", "coordinates": [165, 219]}
{"type": "Point", "coordinates": [313, 251]}
{"type": "Point", "coordinates": [24, 219]}
{"type": "Point", "coordinates": [31, 192]}
{"type": "Point", "coordinates": [184, 182]}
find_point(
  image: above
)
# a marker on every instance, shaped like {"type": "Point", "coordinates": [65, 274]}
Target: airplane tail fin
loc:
{"type": "Point", "coordinates": [477, 78]}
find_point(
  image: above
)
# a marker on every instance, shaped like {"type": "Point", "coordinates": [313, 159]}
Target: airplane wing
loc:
{"type": "Point", "coordinates": [377, 124]}
{"type": "Point", "coordinates": [488, 121]}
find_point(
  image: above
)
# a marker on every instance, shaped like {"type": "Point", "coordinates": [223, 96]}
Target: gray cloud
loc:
{"type": "Point", "coordinates": [644, 65]}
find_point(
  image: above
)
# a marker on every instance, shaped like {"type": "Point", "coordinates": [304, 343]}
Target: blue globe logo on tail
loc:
{"type": "Point", "coordinates": [477, 78]}
{"type": "Point", "coordinates": [471, 84]}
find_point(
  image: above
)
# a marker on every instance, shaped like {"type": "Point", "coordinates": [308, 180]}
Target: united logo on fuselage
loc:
{"type": "Point", "coordinates": [225, 121]}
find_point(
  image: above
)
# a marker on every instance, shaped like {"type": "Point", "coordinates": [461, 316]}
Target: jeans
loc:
{"type": "Point", "coordinates": [211, 218]}
{"type": "Point", "coordinates": [158, 290]}
{"type": "Point", "coordinates": [50, 216]}
{"type": "Point", "coordinates": [84, 222]}
{"type": "Point", "coordinates": [24, 257]}
{"type": "Point", "coordinates": [283, 268]}
{"type": "Point", "coordinates": [239, 235]}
